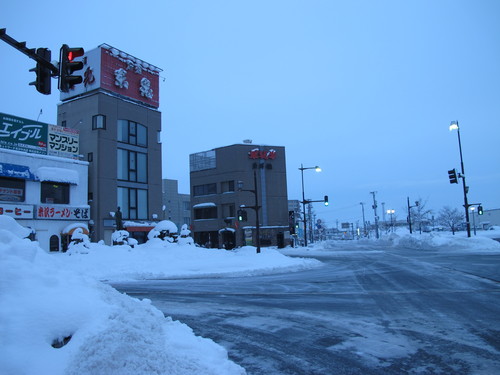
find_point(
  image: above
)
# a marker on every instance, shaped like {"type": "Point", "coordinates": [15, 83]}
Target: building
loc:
{"type": "Point", "coordinates": [43, 185]}
{"type": "Point", "coordinates": [176, 207]}
{"type": "Point", "coordinates": [488, 219]}
{"type": "Point", "coordinates": [221, 183]}
{"type": "Point", "coordinates": [115, 110]}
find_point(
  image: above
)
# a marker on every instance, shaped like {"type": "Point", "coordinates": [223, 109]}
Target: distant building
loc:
{"type": "Point", "coordinates": [489, 218]}
{"type": "Point", "coordinates": [216, 199]}
{"type": "Point", "coordinates": [115, 110]}
{"type": "Point", "coordinates": [176, 207]}
{"type": "Point", "coordinates": [43, 185]}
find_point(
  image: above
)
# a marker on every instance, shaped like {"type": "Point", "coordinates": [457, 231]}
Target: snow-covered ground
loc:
{"type": "Point", "coordinates": [47, 300]}
{"type": "Point", "coordinates": [58, 317]}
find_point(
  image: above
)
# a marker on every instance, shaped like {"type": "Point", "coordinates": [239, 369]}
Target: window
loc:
{"type": "Point", "coordinates": [206, 189]}
{"type": "Point", "coordinates": [205, 213]}
{"type": "Point", "coordinates": [12, 189]}
{"type": "Point", "coordinates": [132, 166]}
{"type": "Point", "coordinates": [133, 203]}
{"type": "Point", "coordinates": [54, 192]}
{"type": "Point", "coordinates": [187, 205]}
{"type": "Point", "coordinates": [228, 210]}
{"type": "Point", "coordinates": [98, 122]}
{"type": "Point", "coordinates": [227, 186]}
{"type": "Point", "coordinates": [132, 133]}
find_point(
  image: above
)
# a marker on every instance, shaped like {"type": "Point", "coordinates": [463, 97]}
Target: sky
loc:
{"type": "Point", "coordinates": [364, 89]}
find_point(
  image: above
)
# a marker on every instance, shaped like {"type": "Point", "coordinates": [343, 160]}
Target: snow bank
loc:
{"type": "Point", "coordinates": [159, 259]}
{"type": "Point", "coordinates": [56, 321]}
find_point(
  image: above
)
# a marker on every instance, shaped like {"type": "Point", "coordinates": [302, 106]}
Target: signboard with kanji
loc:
{"type": "Point", "coordinates": [54, 212]}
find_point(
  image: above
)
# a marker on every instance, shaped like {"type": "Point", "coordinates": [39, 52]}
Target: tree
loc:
{"type": "Point", "coordinates": [450, 218]}
{"type": "Point", "coordinates": [420, 214]}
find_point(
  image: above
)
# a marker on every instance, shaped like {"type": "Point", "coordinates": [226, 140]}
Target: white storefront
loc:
{"type": "Point", "coordinates": [45, 193]}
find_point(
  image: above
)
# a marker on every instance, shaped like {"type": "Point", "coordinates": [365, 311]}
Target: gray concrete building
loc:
{"type": "Point", "coordinates": [176, 206]}
{"type": "Point", "coordinates": [116, 112]}
{"type": "Point", "coordinates": [215, 176]}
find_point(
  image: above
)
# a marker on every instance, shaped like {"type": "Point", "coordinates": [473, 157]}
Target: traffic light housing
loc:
{"type": "Point", "coordinates": [452, 175]}
{"type": "Point", "coordinates": [67, 66]}
{"type": "Point", "coordinates": [326, 200]}
{"type": "Point", "coordinates": [242, 215]}
{"type": "Point", "coordinates": [43, 74]}
{"type": "Point", "coordinates": [291, 222]}
{"type": "Point", "coordinates": [479, 210]}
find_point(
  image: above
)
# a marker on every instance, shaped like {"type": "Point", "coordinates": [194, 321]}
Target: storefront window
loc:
{"type": "Point", "coordinates": [12, 189]}
{"type": "Point", "coordinates": [54, 192]}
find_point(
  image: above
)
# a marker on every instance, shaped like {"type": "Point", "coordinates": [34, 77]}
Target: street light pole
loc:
{"type": "Point", "coordinates": [302, 169]}
{"type": "Point", "coordinates": [364, 221]}
{"type": "Point", "coordinates": [453, 126]}
{"type": "Point", "coordinates": [256, 207]}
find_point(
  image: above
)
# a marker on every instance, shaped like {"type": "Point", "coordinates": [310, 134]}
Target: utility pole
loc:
{"type": "Point", "coordinates": [375, 212]}
{"type": "Point", "coordinates": [364, 221]}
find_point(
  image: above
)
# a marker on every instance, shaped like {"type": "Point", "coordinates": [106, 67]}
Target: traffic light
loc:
{"type": "Point", "coordinates": [291, 222]}
{"type": "Point", "coordinates": [67, 66]}
{"type": "Point", "coordinates": [479, 210]}
{"type": "Point", "coordinates": [242, 215]}
{"type": "Point", "coordinates": [43, 74]}
{"type": "Point", "coordinates": [452, 175]}
{"type": "Point", "coordinates": [326, 200]}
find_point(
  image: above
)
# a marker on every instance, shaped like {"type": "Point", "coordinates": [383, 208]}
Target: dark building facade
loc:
{"type": "Point", "coordinates": [215, 177]}
{"type": "Point", "coordinates": [116, 112]}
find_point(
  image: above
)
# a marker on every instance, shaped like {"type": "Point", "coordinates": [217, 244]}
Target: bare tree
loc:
{"type": "Point", "coordinates": [450, 217]}
{"type": "Point", "coordinates": [420, 214]}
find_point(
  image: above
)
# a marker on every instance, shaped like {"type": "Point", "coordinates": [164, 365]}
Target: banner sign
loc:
{"type": "Point", "coordinates": [47, 211]}
{"type": "Point", "coordinates": [35, 137]}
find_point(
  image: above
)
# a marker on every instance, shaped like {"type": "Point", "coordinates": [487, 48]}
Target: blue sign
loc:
{"type": "Point", "coordinates": [16, 171]}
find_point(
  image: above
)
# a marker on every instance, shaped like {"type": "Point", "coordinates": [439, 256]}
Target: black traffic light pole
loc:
{"type": "Point", "coordinates": [30, 52]}
{"type": "Point", "coordinates": [256, 207]}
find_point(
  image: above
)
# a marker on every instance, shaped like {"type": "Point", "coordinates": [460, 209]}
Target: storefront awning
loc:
{"type": "Point", "coordinates": [54, 174]}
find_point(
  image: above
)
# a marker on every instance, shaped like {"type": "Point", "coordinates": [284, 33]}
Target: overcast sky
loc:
{"type": "Point", "coordinates": [365, 89]}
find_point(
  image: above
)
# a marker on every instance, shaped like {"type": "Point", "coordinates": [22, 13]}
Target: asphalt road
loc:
{"type": "Point", "coordinates": [370, 311]}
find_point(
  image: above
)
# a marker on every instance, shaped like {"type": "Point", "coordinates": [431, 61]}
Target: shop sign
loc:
{"type": "Point", "coordinates": [35, 137]}
{"type": "Point", "coordinates": [261, 154]}
{"type": "Point", "coordinates": [16, 171]}
{"type": "Point", "coordinates": [54, 212]}
{"type": "Point", "coordinates": [17, 211]}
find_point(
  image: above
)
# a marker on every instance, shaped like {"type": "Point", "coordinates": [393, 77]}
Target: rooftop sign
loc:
{"type": "Point", "coordinates": [113, 70]}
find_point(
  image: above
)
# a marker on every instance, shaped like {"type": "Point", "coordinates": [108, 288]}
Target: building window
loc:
{"type": "Point", "coordinates": [54, 192]}
{"type": "Point", "coordinates": [132, 166]}
{"type": "Point", "coordinates": [228, 210]}
{"type": "Point", "coordinates": [187, 205]}
{"type": "Point", "coordinates": [133, 203]}
{"type": "Point", "coordinates": [206, 189]}
{"type": "Point", "coordinates": [12, 189]}
{"type": "Point", "coordinates": [98, 122]}
{"type": "Point", "coordinates": [187, 220]}
{"type": "Point", "coordinates": [132, 133]}
{"type": "Point", "coordinates": [205, 213]}
{"type": "Point", "coordinates": [227, 186]}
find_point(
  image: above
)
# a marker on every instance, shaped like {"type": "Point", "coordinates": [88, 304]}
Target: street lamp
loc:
{"type": "Point", "coordinates": [391, 213]}
{"type": "Point", "coordinates": [473, 219]}
{"type": "Point", "coordinates": [302, 169]}
{"type": "Point", "coordinates": [454, 126]}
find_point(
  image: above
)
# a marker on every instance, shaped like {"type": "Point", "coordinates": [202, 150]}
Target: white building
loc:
{"type": "Point", "coordinates": [43, 192]}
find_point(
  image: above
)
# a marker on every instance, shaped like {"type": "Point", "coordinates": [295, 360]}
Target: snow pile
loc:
{"type": "Point", "coordinates": [54, 321]}
{"type": "Point", "coordinates": [159, 259]}
{"type": "Point", "coordinates": [445, 241]}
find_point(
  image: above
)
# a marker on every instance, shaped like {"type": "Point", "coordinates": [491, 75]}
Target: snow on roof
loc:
{"type": "Point", "coordinates": [58, 175]}
{"type": "Point", "coordinates": [208, 204]}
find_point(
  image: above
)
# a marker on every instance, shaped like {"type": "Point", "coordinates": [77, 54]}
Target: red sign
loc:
{"type": "Point", "coordinates": [259, 154]}
{"type": "Point", "coordinates": [62, 212]}
{"type": "Point", "coordinates": [18, 211]}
